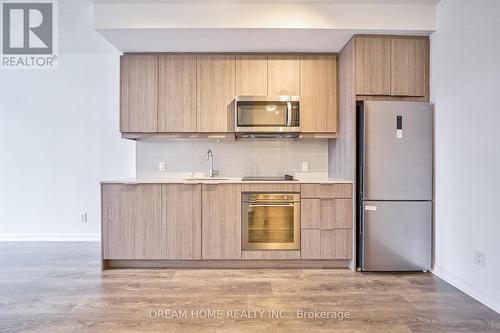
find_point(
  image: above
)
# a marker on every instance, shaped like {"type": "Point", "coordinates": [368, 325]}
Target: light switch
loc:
{"type": "Point", "coordinates": [305, 166]}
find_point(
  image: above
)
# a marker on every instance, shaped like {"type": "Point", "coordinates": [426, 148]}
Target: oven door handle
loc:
{"type": "Point", "coordinates": [271, 205]}
{"type": "Point", "coordinates": [289, 114]}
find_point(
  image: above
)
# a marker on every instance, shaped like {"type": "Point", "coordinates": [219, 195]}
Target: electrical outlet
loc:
{"type": "Point", "coordinates": [305, 166]}
{"type": "Point", "coordinates": [83, 217]}
{"type": "Point", "coordinates": [161, 166]}
{"type": "Point", "coordinates": [479, 258]}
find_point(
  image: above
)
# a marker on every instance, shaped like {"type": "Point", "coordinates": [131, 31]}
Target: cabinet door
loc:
{"type": "Point", "coordinates": [215, 92]}
{"type": "Point", "coordinates": [221, 225]}
{"type": "Point", "coordinates": [177, 93]}
{"type": "Point", "coordinates": [138, 109]}
{"type": "Point", "coordinates": [283, 75]}
{"type": "Point", "coordinates": [336, 244]}
{"type": "Point", "coordinates": [251, 75]}
{"type": "Point", "coordinates": [181, 215]}
{"type": "Point", "coordinates": [318, 93]}
{"type": "Point", "coordinates": [326, 244]}
{"type": "Point", "coordinates": [310, 217]}
{"type": "Point", "coordinates": [373, 66]}
{"type": "Point", "coordinates": [409, 66]}
{"type": "Point", "coordinates": [134, 228]}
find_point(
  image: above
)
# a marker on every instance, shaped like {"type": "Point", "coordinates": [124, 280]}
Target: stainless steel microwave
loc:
{"type": "Point", "coordinates": [267, 114]}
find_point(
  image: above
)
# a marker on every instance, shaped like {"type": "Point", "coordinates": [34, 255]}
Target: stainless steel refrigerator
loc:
{"type": "Point", "coordinates": [394, 174]}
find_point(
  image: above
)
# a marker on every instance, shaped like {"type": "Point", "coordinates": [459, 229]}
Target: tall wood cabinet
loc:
{"type": "Point", "coordinates": [215, 92]}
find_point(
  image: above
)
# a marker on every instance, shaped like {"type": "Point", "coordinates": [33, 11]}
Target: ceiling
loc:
{"type": "Point", "coordinates": [255, 26]}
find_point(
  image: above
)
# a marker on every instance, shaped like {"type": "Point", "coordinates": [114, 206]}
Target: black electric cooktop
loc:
{"type": "Point", "coordinates": [268, 179]}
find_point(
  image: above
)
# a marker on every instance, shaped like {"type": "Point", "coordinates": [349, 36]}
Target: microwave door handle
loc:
{"type": "Point", "coordinates": [271, 205]}
{"type": "Point", "coordinates": [289, 114]}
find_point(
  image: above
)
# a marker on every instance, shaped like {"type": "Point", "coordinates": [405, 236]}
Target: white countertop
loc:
{"type": "Point", "coordinates": [222, 180]}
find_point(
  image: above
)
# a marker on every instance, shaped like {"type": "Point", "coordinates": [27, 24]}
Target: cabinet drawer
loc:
{"type": "Point", "coordinates": [335, 213]}
{"type": "Point", "coordinates": [326, 244]}
{"type": "Point", "coordinates": [326, 191]}
{"type": "Point", "coordinates": [270, 188]}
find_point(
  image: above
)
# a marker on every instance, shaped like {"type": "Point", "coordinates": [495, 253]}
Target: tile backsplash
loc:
{"type": "Point", "coordinates": [232, 158]}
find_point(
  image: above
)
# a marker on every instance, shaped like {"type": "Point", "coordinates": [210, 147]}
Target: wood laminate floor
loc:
{"type": "Point", "coordinates": [59, 287]}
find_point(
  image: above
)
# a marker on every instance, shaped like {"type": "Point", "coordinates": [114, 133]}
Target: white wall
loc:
{"type": "Point", "coordinates": [59, 136]}
{"type": "Point", "coordinates": [465, 70]}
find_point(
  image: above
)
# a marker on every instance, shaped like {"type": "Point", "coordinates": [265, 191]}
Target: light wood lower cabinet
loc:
{"type": "Point", "coordinates": [326, 221]}
{"type": "Point", "coordinates": [181, 216]}
{"type": "Point", "coordinates": [326, 244]}
{"type": "Point", "coordinates": [151, 221]}
{"type": "Point", "coordinates": [131, 222]}
{"type": "Point", "coordinates": [221, 227]}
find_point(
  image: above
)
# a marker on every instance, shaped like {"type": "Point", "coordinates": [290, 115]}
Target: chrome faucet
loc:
{"type": "Point", "coordinates": [211, 171]}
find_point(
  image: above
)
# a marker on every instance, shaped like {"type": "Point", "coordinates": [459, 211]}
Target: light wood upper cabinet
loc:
{"type": "Point", "coordinates": [251, 75]}
{"type": "Point", "coordinates": [215, 92]}
{"type": "Point", "coordinates": [373, 66]}
{"type": "Point", "coordinates": [318, 93]}
{"type": "Point", "coordinates": [181, 216]}
{"type": "Point", "coordinates": [221, 227]}
{"type": "Point", "coordinates": [409, 66]}
{"type": "Point", "coordinates": [176, 93]}
{"type": "Point", "coordinates": [131, 222]}
{"type": "Point", "coordinates": [138, 109]}
{"type": "Point", "coordinates": [283, 73]}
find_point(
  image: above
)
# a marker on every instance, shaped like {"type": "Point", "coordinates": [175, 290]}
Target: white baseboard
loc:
{"type": "Point", "coordinates": [40, 237]}
{"type": "Point", "coordinates": [480, 295]}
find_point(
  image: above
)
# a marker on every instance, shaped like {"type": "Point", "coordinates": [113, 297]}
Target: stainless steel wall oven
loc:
{"type": "Point", "coordinates": [270, 221]}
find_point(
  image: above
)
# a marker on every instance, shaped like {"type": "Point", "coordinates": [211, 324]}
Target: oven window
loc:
{"type": "Point", "coordinates": [261, 113]}
{"type": "Point", "coordinates": [271, 224]}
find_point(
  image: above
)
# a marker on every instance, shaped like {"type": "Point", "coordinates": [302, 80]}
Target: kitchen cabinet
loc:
{"type": "Point", "coordinates": [318, 93]}
{"type": "Point", "coordinates": [176, 93]}
{"type": "Point", "coordinates": [215, 93]}
{"type": "Point", "coordinates": [151, 221]}
{"type": "Point", "coordinates": [283, 72]}
{"type": "Point", "coordinates": [326, 244]}
{"type": "Point", "coordinates": [373, 66]}
{"type": "Point", "coordinates": [409, 66]}
{"type": "Point", "coordinates": [138, 108]}
{"type": "Point", "coordinates": [395, 66]}
{"type": "Point", "coordinates": [132, 226]}
{"type": "Point", "coordinates": [221, 227]}
{"type": "Point", "coordinates": [251, 75]}
{"type": "Point", "coordinates": [326, 221]}
{"type": "Point", "coordinates": [181, 218]}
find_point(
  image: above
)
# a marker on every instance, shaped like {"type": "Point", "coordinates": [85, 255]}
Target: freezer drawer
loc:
{"type": "Point", "coordinates": [397, 151]}
{"type": "Point", "coordinates": [396, 235]}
